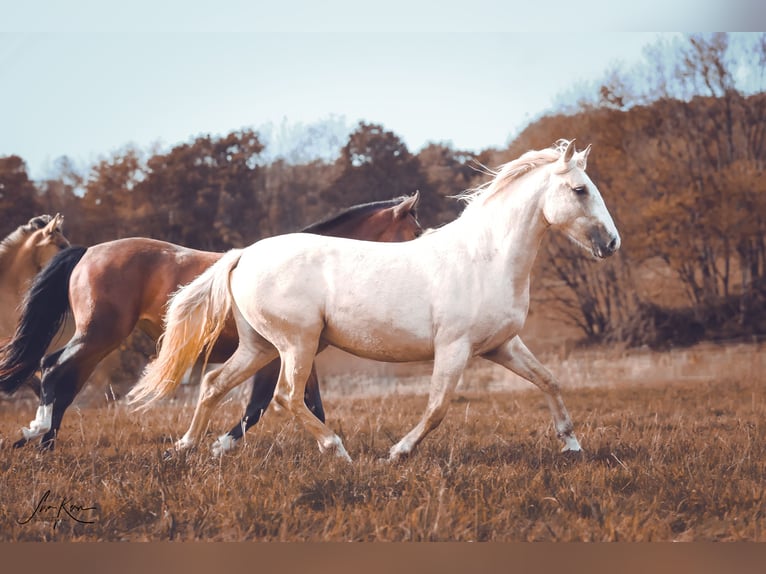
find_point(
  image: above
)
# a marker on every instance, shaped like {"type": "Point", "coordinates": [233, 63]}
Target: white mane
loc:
{"type": "Point", "coordinates": [510, 171]}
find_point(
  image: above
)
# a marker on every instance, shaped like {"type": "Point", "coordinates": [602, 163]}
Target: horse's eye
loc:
{"type": "Point", "coordinates": [580, 190]}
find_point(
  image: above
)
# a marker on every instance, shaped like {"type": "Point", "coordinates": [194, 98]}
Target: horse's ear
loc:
{"type": "Point", "coordinates": [565, 161]}
{"type": "Point", "coordinates": [407, 205]}
{"type": "Point", "coordinates": [582, 158]}
{"type": "Point", "coordinates": [53, 224]}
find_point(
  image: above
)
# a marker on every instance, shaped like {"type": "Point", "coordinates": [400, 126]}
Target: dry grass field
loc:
{"type": "Point", "coordinates": [667, 459]}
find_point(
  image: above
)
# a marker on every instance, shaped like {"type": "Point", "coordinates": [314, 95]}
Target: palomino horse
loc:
{"type": "Point", "coordinates": [22, 255]}
{"type": "Point", "coordinates": [457, 292]}
{"type": "Point", "coordinates": [114, 286]}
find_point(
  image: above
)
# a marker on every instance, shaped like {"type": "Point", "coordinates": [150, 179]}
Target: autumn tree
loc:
{"type": "Point", "coordinates": [374, 165]}
{"type": "Point", "coordinates": [707, 208]}
{"type": "Point", "coordinates": [18, 196]}
{"type": "Point", "coordinates": [110, 205]}
{"type": "Point", "coordinates": [448, 172]}
{"type": "Point", "coordinates": [201, 194]}
{"type": "Point", "coordinates": [61, 192]}
{"type": "Point", "coordinates": [679, 166]}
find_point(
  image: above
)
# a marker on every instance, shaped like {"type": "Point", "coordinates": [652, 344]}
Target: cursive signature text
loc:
{"type": "Point", "coordinates": [48, 511]}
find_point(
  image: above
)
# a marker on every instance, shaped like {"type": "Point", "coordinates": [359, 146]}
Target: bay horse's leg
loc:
{"type": "Point", "coordinates": [297, 365]}
{"type": "Point", "coordinates": [41, 424]}
{"type": "Point", "coordinates": [449, 363]}
{"type": "Point", "coordinates": [33, 383]}
{"type": "Point", "coordinates": [65, 374]}
{"type": "Point", "coordinates": [515, 356]}
{"type": "Point", "coordinates": [264, 383]}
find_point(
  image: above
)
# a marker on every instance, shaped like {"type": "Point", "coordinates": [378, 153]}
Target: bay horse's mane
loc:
{"type": "Point", "coordinates": [512, 170]}
{"type": "Point", "coordinates": [352, 213]}
{"type": "Point", "coordinates": [17, 235]}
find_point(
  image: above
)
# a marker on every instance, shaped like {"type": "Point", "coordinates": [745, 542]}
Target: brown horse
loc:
{"type": "Point", "coordinates": [115, 286]}
{"type": "Point", "coordinates": [23, 253]}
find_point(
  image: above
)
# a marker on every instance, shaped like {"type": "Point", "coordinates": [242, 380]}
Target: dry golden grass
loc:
{"type": "Point", "coordinates": [683, 461]}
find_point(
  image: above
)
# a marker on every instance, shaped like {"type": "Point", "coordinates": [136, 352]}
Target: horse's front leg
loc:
{"type": "Point", "coordinates": [515, 356]}
{"type": "Point", "coordinates": [449, 363]}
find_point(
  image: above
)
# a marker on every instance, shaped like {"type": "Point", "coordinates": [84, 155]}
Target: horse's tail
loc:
{"type": "Point", "coordinates": [195, 318]}
{"type": "Point", "coordinates": [43, 311]}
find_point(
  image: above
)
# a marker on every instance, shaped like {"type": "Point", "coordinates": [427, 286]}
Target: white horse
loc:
{"type": "Point", "coordinates": [455, 293]}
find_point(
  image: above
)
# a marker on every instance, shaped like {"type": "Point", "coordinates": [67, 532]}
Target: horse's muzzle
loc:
{"type": "Point", "coordinates": [605, 245]}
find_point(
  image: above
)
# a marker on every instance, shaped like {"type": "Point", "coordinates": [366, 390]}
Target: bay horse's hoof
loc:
{"type": "Point", "coordinates": [222, 445]}
{"type": "Point", "coordinates": [20, 443]}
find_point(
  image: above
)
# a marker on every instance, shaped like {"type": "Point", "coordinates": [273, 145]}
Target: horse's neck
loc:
{"type": "Point", "coordinates": [504, 233]}
{"type": "Point", "coordinates": [352, 229]}
{"type": "Point", "coordinates": [16, 271]}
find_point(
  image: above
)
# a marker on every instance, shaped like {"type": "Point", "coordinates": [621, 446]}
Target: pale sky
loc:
{"type": "Point", "coordinates": [84, 84]}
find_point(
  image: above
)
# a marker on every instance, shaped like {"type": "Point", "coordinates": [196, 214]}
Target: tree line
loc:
{"type": "Point", "coordinates": [679, 150]}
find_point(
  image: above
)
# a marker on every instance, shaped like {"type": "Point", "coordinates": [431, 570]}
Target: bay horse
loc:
{"type": "Point", "coordinates": [112, 287]}
{"type": "Point", "coordinates": [23, 254]}
{"type": "Point", "coordinates": [454, 293]}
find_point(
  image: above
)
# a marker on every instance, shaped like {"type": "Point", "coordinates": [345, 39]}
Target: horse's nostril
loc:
{"type": "Point", "coordinates": [612, 246]}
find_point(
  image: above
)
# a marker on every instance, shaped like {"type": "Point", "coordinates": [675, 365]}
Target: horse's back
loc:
{"type": "Point", "coordinates": [302, 283]}
{"type": "Point", "coordinates": [136, 275]}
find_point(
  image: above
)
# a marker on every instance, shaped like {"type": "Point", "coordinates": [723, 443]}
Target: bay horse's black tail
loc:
{"type": "Point", "coordinates": [43, 311]}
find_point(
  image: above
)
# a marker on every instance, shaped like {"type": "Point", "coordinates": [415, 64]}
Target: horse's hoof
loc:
{"type": "Point", "coordinates": [20, 443]}
{"type": "Point", "coordinates": [178, 452]}
{"type": "Point", "coordinates": [396, 457]}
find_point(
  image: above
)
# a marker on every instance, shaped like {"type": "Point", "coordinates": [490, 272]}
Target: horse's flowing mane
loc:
{"type": "Point", "coordinates": [510, 171]}
{"type": "Point", "coordinates": [17, 235]}
{"type": "Point", "coordinates": [352, 213]}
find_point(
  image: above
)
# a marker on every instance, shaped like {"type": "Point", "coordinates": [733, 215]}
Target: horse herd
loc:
{"type": "Point", "coordinates": [368, 281]}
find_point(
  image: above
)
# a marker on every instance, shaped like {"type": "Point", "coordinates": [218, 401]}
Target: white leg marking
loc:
{"type": "Point", "coordinates": [41, 423]}
{"type": "Point", "coordinates": [571, 443]}
{"type": "Point", "coordinates": [336, 445]}
{"type": "Point", "coordinates": [184, 443]}
{"type": "Point", "coordinates": [223, 444]}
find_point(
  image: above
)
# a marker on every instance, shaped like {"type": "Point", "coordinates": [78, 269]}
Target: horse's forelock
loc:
{"type": "Point", "coordinates": [36, 223]}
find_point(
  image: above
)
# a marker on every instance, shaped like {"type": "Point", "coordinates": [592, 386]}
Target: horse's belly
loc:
{"type": "Point", "coordinates": [380, 341]}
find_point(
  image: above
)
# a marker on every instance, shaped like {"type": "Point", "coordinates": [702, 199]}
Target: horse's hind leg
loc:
{"type": "Point", "coordinates": [33, 383]}
{"type": "Point", "coordinates": [65, 373]}
{"type": "Point", "coordinates": [515, 356]}
{"type": "Point", "coordinates": [297, 365]}
{"type": "Point", "coordinates": [253, 353]}
{"type": "Point", "coordinates": [264, 383]}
